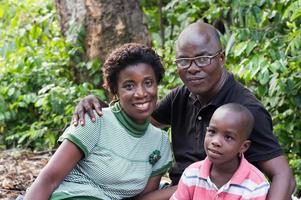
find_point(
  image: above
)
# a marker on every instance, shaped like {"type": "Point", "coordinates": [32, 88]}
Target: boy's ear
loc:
{"type": "Point", "coordinates": [245, 145]}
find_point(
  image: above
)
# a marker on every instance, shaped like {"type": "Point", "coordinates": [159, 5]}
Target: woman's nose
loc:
{"type": "Point", "coordinates": [140, 91]}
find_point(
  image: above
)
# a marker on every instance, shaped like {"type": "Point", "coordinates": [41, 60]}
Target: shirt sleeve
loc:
{"type": "Point", "coordinates": [182, 192]}
{"type": "Point", "coordinates": [165, 162]}
{"type": "Point", "coordinates": [84, 137]}
{"type": "Point", "coordinates": [162, 114]}
{"type": "Point", "coordinates": [264, 143]}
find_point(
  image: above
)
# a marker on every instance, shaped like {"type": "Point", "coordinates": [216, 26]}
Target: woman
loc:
{"type": "Point", "coordinates": [121, 155]}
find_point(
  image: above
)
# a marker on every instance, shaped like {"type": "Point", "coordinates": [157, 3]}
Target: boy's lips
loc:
{"type": "Point", "coordinates": [215, 152]}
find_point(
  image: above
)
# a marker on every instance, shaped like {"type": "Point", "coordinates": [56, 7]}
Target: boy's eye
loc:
{"type": "Point", "coordinates": [210, 131]}
{"type": "Point", "coordinates": [229, 138]}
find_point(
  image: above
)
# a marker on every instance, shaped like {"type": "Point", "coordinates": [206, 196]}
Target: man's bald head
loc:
{"type": "Point", "coordinates": [200, 33]}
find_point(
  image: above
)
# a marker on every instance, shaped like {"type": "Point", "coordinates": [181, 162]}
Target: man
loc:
{"type": "Point", "coordinates": [188, 109]}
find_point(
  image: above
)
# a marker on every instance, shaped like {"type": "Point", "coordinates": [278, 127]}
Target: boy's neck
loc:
{"type": "Point", "coordinates": [221, 174]}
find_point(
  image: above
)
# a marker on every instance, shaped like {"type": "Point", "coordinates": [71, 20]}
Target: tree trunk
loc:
{"type": "Point", "coordinates": [106, 24]}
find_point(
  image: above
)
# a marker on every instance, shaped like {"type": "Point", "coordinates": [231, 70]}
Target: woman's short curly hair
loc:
{"type": "Point", "coordinates": [129, 54]}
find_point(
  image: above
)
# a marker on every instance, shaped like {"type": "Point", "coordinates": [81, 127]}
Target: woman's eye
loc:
{"type": "Point", "coordinates": [129, 86]}
{"type": "Point", "coordinates": [148, 83]}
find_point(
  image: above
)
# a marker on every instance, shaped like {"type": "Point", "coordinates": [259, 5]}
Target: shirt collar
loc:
{"type": "Point", "coordinates": [242, 171]}
{"type": "Point", "coordinates": [134, 129]}
{"type": "Point", "coordinates": [238, 177]}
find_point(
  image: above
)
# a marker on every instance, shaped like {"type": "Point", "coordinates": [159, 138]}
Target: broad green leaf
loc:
{"type": "Point", "coordinates": [240, 48]}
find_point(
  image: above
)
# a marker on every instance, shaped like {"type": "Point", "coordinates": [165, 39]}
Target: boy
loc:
{"type": "Point", "coordinates": [225, 174]}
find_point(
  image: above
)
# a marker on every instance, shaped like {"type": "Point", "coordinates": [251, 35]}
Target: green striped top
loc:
{"type": "Point", "coordinates": [116, 162]}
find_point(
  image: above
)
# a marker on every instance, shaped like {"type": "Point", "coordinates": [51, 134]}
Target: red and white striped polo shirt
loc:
{"type": "Point", "coordinates": [247, 183]}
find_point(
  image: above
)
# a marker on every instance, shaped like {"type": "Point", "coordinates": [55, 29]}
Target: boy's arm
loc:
{"type": "Point", "coordinates": [279, 172]}
{"type": "Point", "coordinates": [59, 166]}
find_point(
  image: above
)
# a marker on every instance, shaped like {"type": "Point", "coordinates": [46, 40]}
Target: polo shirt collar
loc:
{"type": "Point", "coordinates": [205, 170]}
{"type": "Point", "coordinates": [218, 100]}
{"type": "Point", "coordinates": [238, 177]}
{"type": "Point", "coordinates": [242, 172]}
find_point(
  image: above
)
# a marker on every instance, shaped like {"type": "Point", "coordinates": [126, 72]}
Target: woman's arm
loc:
{"type": "Point", "coordinates": [152, 185]}
{"type": "Point", "coordinates": [152, 190]}
{"type": "Point", "coordinates": [162, 194]}
{"type": "Point", "coordinates": [59, 166]}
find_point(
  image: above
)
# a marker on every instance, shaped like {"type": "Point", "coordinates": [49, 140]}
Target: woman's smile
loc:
{"type": "Point", "coordinates": [137, 91]}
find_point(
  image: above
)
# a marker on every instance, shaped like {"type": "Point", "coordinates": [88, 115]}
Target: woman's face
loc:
{"type": "Point", "coordinates": [137, 91]}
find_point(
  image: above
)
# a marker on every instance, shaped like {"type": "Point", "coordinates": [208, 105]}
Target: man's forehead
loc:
{"type": "Point", "coordinates": [194, 35]}
{"type": "Point", "coordinates": [197, 45]}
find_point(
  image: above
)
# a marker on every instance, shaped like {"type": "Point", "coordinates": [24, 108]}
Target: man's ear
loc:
{"type": "Point", "coordinates": [222, 59]}
{"type": "Point", "coordinates": [245, 146]}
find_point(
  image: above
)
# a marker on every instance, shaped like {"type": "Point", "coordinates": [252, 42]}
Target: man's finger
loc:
{"type": "Point", "coordinates": [75, 119]}
{"type": "Point", "coordinates": [81, 118]}
{"type": "Point", "coordinates": [98, 110]}
{"type": "Point", "coordinates": [91, 114]}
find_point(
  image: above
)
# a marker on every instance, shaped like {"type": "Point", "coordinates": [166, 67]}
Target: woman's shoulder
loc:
{"type": "Point", "coordinates": [157, 134]}
{"type": "Point", "coordinates": [156, 130]}
{"type": "Point", "coordinates": [106, 113]}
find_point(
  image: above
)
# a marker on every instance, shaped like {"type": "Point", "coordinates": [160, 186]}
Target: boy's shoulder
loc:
{"type": "Point", "coordinates": [248, 173]}
{"type": "Point", "coordinates": [256, 174]}
{"type": "Point", "coordinates": [194, 168]}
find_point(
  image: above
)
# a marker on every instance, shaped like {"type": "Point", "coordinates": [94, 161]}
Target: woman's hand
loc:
{"type": "Point", "coordinates": [87, 105]}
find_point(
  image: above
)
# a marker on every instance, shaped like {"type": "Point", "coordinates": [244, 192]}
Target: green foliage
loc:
{"type": "Point", "coordinates": [42, 75]}
{"type": "Point", "coordinates": [37, 90]}
{"type": "Point", "coordinates": [262, 42]}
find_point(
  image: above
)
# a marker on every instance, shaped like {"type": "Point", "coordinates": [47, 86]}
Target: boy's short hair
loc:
{"type": "Point", "coordinates": [246, 116]}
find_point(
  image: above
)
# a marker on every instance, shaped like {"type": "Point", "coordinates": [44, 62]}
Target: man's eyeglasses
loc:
{"type": "Point", "coordinates": [200, 61]}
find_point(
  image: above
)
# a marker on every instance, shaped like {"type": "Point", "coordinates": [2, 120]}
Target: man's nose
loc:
{"type": "Point", "coordinates": [193, 67]}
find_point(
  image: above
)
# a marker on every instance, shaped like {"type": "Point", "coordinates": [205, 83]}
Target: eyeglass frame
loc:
{"type": "Point", "coordinates": [194, 58]}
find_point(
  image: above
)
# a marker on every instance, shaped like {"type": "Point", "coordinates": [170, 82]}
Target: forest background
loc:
{"type": "Point", "coordinates": [39, 67]}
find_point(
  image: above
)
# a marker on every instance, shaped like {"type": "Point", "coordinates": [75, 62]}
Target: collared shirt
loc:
{"type": "Point", "coordinates": [189, 119]}
{"type": "Point", "coordinates": [246, 183]}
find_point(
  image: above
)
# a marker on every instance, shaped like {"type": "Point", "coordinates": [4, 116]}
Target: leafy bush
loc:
{"type": "Point", "coordinates": [39, 70]}
{"type": "Point", "coordinates": [37, 90]}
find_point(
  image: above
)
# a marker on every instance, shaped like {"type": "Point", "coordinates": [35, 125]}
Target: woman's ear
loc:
{"type": "Point", "coordinates": [245, 146]}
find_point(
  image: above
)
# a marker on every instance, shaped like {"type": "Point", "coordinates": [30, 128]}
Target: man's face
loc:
{"type": "Point", "coordinates": [204, 80]}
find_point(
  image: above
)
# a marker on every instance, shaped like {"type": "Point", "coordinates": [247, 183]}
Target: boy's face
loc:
{"type": "Point", "coordinates": [225, 137]}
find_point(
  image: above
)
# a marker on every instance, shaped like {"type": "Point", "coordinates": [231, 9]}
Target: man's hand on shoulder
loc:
{"type": "Point", "coordinates": [87, 105]}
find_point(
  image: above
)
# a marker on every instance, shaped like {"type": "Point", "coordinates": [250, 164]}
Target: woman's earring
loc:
{"type": "Point", "coordinates": [115, 109]}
